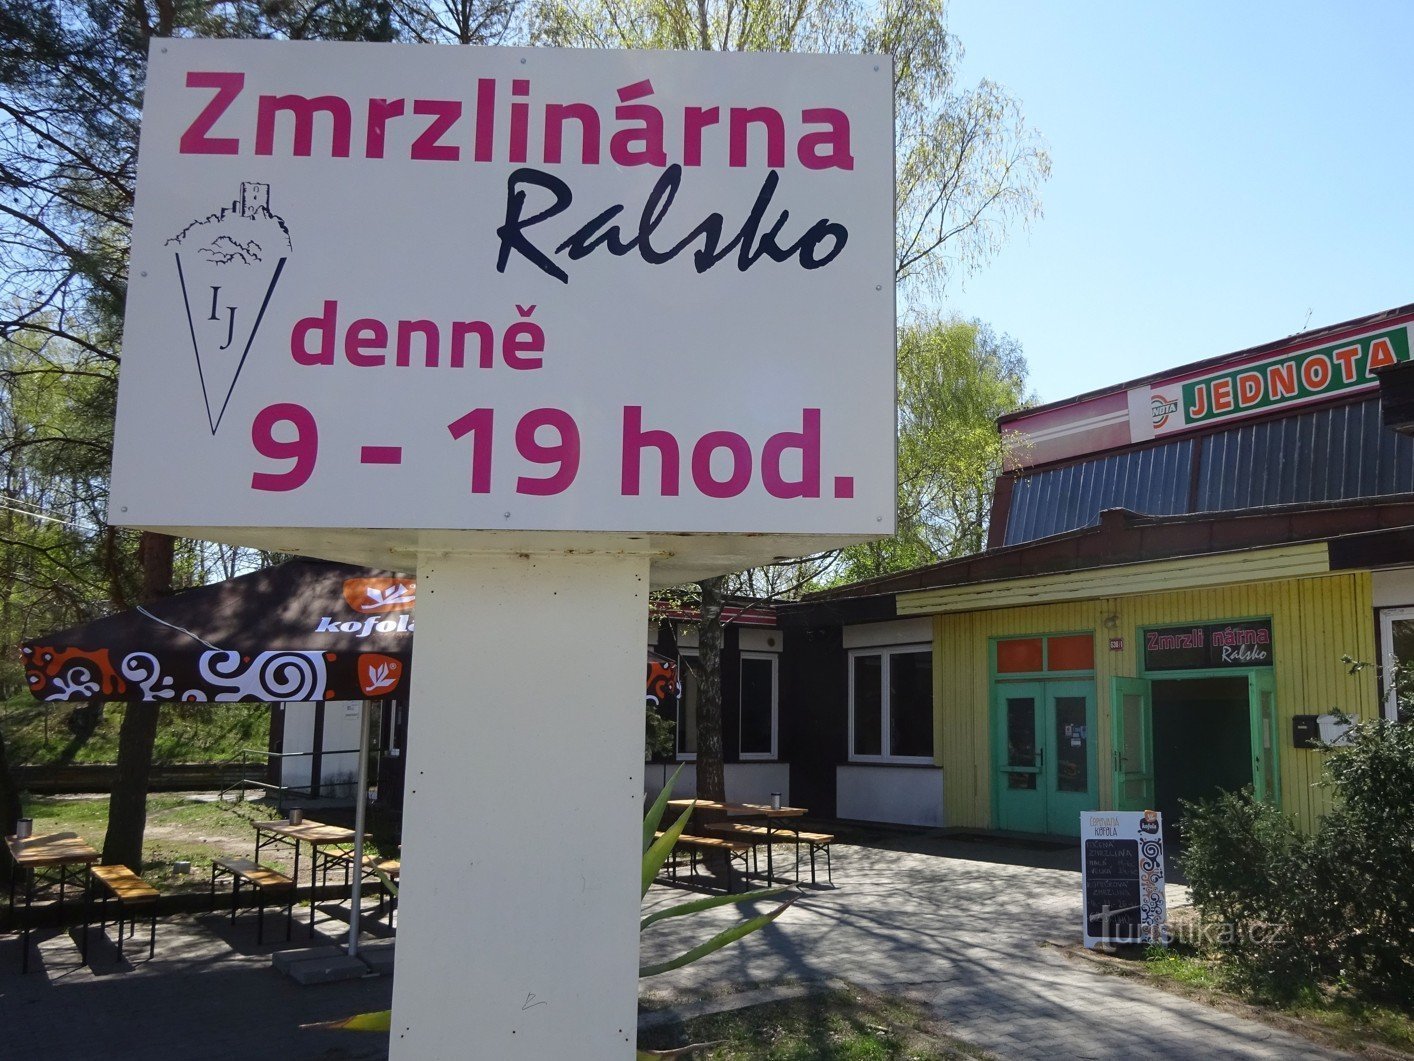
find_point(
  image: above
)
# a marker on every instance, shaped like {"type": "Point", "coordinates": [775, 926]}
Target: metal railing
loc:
{"type": "Point", "coordinates": [282, 791]}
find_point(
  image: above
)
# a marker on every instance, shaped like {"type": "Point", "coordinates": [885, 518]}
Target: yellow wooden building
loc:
{"type": "Point", "coordinates": [1177, 571]}
{"type": "Point", "coordinates": [1316, 618]}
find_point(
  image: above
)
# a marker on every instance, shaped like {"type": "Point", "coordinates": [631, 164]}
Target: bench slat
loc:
{"type": "Point", "coordinates": [254, 872]}
{"type": "Point", "coordinates": [779, 836]}
{"type": "Point", "coordinates": [123, 883]}
{"type": "Point", "coordinates": [715, 843]}
{"type": "Point", "coordinates": [390, 866]}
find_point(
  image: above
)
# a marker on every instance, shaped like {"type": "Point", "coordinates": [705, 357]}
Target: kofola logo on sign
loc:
{"type": "Point", "coordinates": [1162, 407]}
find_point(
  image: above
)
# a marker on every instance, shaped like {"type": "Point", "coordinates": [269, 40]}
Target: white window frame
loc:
{"type": "Point", "coordinates": [886, 654]}
{"type": "Point", "coordinates": [685, 675]}
{"type": "Point", "coordinates": [1387, 620]}
{"type": "Point", "coordinates": [775, 662]}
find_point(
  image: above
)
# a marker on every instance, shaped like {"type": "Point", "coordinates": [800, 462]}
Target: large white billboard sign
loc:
{"type": "Point", "coordinates": [448, 288]}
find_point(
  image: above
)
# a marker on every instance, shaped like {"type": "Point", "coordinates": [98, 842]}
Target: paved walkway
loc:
{"type": "Point", "coordinates": [968, 928]}
{"type": "Point", "coordinates": [210, 994]}
{"type": "Point", "coordinates": [960, 925]}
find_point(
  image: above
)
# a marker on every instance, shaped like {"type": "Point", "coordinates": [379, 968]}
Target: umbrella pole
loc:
{"type": "Point", "coordinates": [360, 814]}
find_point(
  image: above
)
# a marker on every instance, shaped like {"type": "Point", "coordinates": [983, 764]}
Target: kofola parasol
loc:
{"type": "Point", "coordinates": [299, 631]}
{"type": "Point", "coordinates": [302, 630]}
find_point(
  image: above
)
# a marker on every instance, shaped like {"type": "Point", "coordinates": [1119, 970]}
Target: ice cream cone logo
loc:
{"type": "Point", "coordinates": [228, 264]}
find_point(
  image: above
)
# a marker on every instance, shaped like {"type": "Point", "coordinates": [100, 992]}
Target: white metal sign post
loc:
{"type": "Point", "coordinates": [546, 327]}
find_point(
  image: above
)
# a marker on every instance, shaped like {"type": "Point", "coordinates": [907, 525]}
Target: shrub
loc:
{"type": "Point", "coordinates": [1335, 907]}
{"type": "Point", "coordinates": [1363, 855]}
{"type": "Point", "coordinates": [1243, 859]}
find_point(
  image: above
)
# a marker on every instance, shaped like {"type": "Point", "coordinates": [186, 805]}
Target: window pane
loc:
{"type": "Point", "coordinates": [1402, 637]}
{"type": "Point", "coordinates": [1074, 652]}
{"type": "Point", "coordinates": [758, 705]}
{"type": "Point", "coordinates": [911, 703]}
{"type": "Point", "coordinates": [1403, 631]}
{"type": "Point", "coordinates": [1072, 745]}
{"type": "Point", "coordinates": [687, 708]}
{"type": "Point", "coordinates": [868, 701]}
{"type": "Point", "coordinates": [1019, 656]}
{"type": "Point", "coordinates": [1020, 731]}
{"type": "Point", "coordinates": [1132, 754]}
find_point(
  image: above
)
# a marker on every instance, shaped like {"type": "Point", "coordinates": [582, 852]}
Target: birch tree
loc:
{"type": "Point", "coordinates": [967, 166]}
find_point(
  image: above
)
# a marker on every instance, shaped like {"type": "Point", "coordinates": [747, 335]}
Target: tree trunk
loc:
{"type": "Point", "coordinates": [711, 782]}
{"type": "Point", "coordinates": [127, 806]}
{"type": "Point", "coordinates": [10, 808]}
{"type": "Point", "coordinates": [83, 721]}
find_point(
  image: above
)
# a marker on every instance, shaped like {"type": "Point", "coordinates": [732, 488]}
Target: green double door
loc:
{"type": "Point", "coordinates": [1043, 737]}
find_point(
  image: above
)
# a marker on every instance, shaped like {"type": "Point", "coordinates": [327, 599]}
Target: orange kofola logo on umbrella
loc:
{"type": "Point", "coordinates": [378, 675]}
{"type": "Point", "coordinates": [377, 596]}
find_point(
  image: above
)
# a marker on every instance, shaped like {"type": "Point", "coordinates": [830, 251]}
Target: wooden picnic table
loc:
{"type": "Point", "coordinates": [62, 851]}
{"type": "Point", "coordinates": [320, 838]}
{"type": "Point", "coordinates": [766, 812]}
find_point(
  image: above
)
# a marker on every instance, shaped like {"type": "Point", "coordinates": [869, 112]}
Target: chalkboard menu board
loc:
{"type": "Point", "coordinates": [1204, 646]}
{"type": "Point", "coordinates": [1122, 877]}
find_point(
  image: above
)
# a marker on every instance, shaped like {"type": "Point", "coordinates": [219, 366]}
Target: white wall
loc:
{"type": "Point", "coordinates": [899, 795]}
{"type": "Point", "coordinates": [746, 782]}
{"type": "Point", "coordinates": [1393, 588]}
{"type": "Point", "coordinates": [898, 632]}
{"type": "Point", "coordinates": [299, 737]}
{"type": "Point", "coordinates": [338, 772]}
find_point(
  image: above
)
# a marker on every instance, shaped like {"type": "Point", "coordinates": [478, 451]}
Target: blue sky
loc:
{"type": "Point", "coordinates": [1222, 175]}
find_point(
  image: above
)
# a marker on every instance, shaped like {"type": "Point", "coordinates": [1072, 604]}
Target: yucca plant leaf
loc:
{"type": "Point", "coordinates": [683, 909]}
{"type": "Point", "coordinates": [659, 850]}
{"type": "Point", "coordinates": [717, 942]}
{"type": "Point", "coordinates": [380, 1021]}
{"type": "Point", "coordinates": [655, 812]}
{"type": "Point", "coordinates": [388, 881]}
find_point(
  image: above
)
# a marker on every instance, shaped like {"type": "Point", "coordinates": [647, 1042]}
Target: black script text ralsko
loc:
{"type": "Point", "coordinates": [821, 244]}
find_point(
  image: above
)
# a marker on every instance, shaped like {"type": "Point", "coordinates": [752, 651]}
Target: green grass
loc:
{"type": "Point", "coordinates": [183, 827]}
{"type": "Point", "coordinates": [179, 827]}
{"type": "Point", "coordinates": [1179, 966]}
{"type": "Point", "coordinates": [38, 734]}
{"type": "Point", "coordinates": [1336, 1016]}
{"type": "Point", "coordinates": [843, 1025]}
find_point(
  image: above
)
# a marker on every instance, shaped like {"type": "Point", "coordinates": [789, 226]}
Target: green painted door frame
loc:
{"type": "Point", "coordinates": [1043, 741]}
{"type": "Point", "coordinates": [1018, 754]}
{"type": "Point", "coordinates": [1262, 711]}
{"type": "Point", "coordinates": [1132, 728]}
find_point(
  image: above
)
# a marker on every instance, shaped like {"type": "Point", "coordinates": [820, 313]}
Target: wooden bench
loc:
{"type": "Point", "coordinates": [390, 868]}
{"type": "Point", "coordinates": [264, 880]}
{"type": "Point", "coordinates": [120, 884]}
{"type": "Point", "coordinates": [759, 834]}
{"type": "Point", "coordinates": [734, 850]}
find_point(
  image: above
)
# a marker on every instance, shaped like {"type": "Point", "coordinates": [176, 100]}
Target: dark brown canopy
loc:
{"type": "Point", "coordinates": [302, 630]}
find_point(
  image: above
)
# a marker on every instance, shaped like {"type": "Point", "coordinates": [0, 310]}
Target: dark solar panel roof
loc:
{"type": "Point", "coordinates": [1333, 453]}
